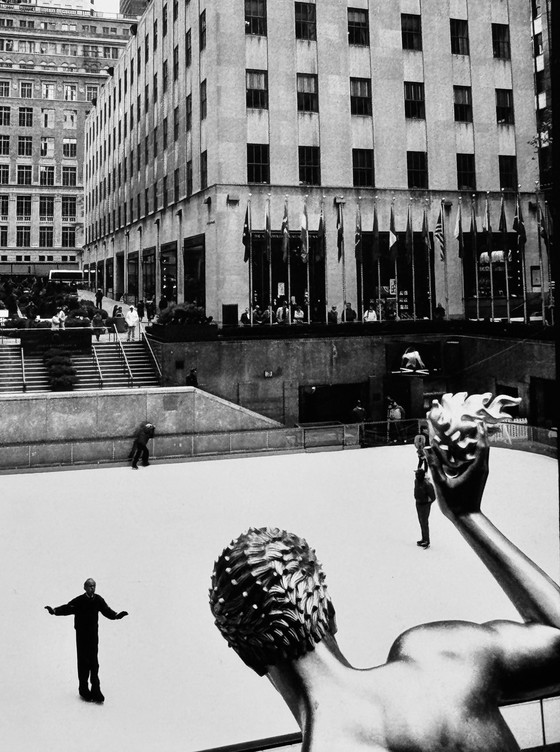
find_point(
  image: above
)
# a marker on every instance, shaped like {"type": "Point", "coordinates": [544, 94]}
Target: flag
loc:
{"type": "Point", "coordinates": [459, 231]}
{"type": "Point", "coordinates": [426, 233]}
{"type": "Point", "coordinates": [439, 234]}
{"type": "Point", "coordinates": [268, 232]}
{"type": "Point", "coordinates": [320, 253]}
{"type": "Point", "coordinates": [487, 227]}
{"type": "Point", "coordinates": [519, 226]}
{"type": "Point", "coordinates": [340, 231]}
{"type": "Point", "coordinates": [285, 234]}
{"type": "Point", "coordinates": [375, 250]}
{"type": "Point", "coordinates": [358, 235]}
{"type": "Point", "coordinates": [502, 227]}
{"type": "Point", "coordinates": [474, 233]}
{"type": "Point", "coordinates": [393, 240]}
{"type": "Point", "coordinates": [304, 235]}
{"type": "Point", "coordinates": [409, 238]}
{"type": "Point", "coordinates": [543, 229]}
{"type": "Point", "coordinates": [246, 239]}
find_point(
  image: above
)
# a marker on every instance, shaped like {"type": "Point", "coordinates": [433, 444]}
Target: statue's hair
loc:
{"type": "Point", "coordinates": [269, 597]}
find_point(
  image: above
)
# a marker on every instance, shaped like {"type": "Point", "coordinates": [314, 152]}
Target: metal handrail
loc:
{"type": "Point", "coordinates": [120, 350]}
{"type": "Point", "coordinates": [96, 361]}
{"type": "Point", "coordinates": [151, 351]}
{"type": "Point", "coordinates": [24, 382]}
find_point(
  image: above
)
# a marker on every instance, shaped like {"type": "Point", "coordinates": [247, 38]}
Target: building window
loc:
{"type": "Point", "coordinates": [5, 145]}
{"type": "Point", "coordinates": [46, 208]}
{"type": "Point", "coordinates": [46, 174]}
{"type": "Point", "coordinates": [204, 170]}
{"type": "Point", "coordinates": [70, 120]}
{"type": "Point", "coordinates": [188, 119]}
{"type": "Point", "coordinates": [4, 88]}
{"type": "Point", "coordinates": [26, 117]}
{"type": "Point", "coordinates": [358, 27]}
{"type": "Point", "coordinates": [164, 20]}
{"type": "Point", "coordinates": [307, 96]}
{"type": "Point", "coordinates": [258, 163]}
{"type": "Point", "coordinates": [417, 169]}
{"type": "Point", "coordinates": [508, 173]}
{"type": "Point", "coordinates": [91, 93]}
{"type": "Point", "coordinates": [70, 92]}
{"type": "Point", "coordinates": [155, 142]}
{"type": "Point", "coordinates": [68, 237]}
{"type": "Point", "coordinates": [155, 87]}
{"type": "Point", "coordinates": [309, 165]}
{"type": "Point", "coordinates": [189, 178]}
{"type": "Point", "coordinates": [48, 90]}
{"type": "Point", "coordinates": [4, 116]}
{"type": "Point", "coordinates": [4, 206]}
{"type": "Point", "coordinates": [202, 30]}
{"type": "Point", "coordinates": [26, 89]}
{"type": "Point", "coordinates": [23, 236]}
{"type": "Point", "coordinates": [24, 174]}
{"type": "Point", "coordinates": [176, 185]}
{"type": "Point", "coordinates": [360, 96]}
{"type": "Point", "coordinates": [23, 208]}
{"type": "Point", "coordinates": [188, 48]}
{"type": "Point", "coordinates": [154, 35]}
{"type": "Point", "coordinates": [69, 208]}
{"type": "Point", "coordinates": [175, 10]}
{"type": "Point", "coordinates": [4, 239]}
{"type": "Point", "coordinates": [164, 76]}
{"type": "Point", "coordinates": [538, 47]}
{"type": "Point", "coordinates": [164, 131]}
{"type": "Point", "coordinates": [47, 146]}
{"type": "Point", "coordinates": [306, 26]}
{"type": "Point", "coordinates": [147, 49]}
{"type": "Point", "coordinates": [203, 101]}
{"type": "Point", "coordinates": [69, 148]}
{"type": "Point", "coordinates": [362, 168]}
{"type": "Point", "coordinates": [504, 106]}
{"type": "Point", "coordinates": [176, 62]}
{"type": "Point", "coordinates": [414, 100]}
{"type": "Point", "coordinates": [459, 36]}
{"type": "Point", "coordinates": [462, 103]}
{"type": "Point", "coordinates": [255, 17]}
{"type": "Point", "coordinates": [500, 41]}
{"type": "Point", "coordinates": [257, 89]}
{"type": "Point", "coordinates": [46, 237]}
{"type": "Point", "coordinates": [176, 124]}
{"type": "Point", "coordinates": [68, 175]}
{"type": "Point", "coordinates": [4, 174]}
{"type": "Point", "coordinates": [411, 30]}
{"type": "Point", "coordinates": [466, 174]}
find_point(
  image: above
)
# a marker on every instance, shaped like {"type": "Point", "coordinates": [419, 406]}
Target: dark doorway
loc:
{"type": "Point", "coordinates": [195, 271]}
{"type": "Point", "coordinates": [543, 406]}
{"type": "Point", "coordinates": [328, 403]}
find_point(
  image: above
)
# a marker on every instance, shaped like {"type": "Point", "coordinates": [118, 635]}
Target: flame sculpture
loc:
{"type": "Point", "coordinates": [453, 424]}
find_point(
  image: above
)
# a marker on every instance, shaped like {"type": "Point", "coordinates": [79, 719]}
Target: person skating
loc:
{"type": "Point", "coordinates": [86, 609]}
{"type": "Point", "coordinates": [140, 449]}
{"type": "Point", "coordinates": [424, 495]}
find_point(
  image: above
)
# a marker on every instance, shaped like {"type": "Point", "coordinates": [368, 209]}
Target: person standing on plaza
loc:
{"type": "Point", "coordinates": [99, 298]}
{"type": "Point", "coordinates": [141, 309]}
{"type": "Point", "coordinates": [140, 449]}
{"type": "Point", "coordinates": [349, 315]}
{"type": "Point", "coordinates": [424, 496]}
{"type": "Point", "coordinates": [86, 609]}
{"type": "Point", "coordinates": [131, 319]}
{"type": "Point", "coordinates": [370, 315]}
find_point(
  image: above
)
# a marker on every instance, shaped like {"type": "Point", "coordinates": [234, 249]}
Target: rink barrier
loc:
{"type": "Point", "coordinates": [300, 438]}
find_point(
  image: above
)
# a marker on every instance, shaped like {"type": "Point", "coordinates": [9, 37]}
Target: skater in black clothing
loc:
{"type": "Point", "coordinates": [424, 495]}
{"type": "Point", "coordinates": [140, 447]}
{"type": "Point", "coordinates": [85, 609]}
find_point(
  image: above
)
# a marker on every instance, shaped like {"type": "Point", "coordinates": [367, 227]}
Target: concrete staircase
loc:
{"type": "Point", "coordinates": [36, 376]}
{"type": "Point", "coordinates": [11, 374]}
{"type": "Point", "coordinates": [113, 369]}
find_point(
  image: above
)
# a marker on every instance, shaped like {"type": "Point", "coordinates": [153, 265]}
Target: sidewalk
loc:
{"type": "Point", "coordinates": [108, 304]}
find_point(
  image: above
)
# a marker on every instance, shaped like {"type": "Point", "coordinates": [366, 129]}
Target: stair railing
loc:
{"type": "Point", "coordinates": [146, 339]}
{"type": "Point", "coordinates": [23, 379]}
{"type": "Point", "coordinates": [122, 354]}
{"type": "Point", "coordinates": [96, 363]}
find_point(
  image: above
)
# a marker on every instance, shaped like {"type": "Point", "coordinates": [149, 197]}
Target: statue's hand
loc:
{"type": "Point", "coordinates": [462, 493]}
{"type": "Point", "coordinates": [50, 610]}
{"type": "Point", "coordinates": [122, 614]}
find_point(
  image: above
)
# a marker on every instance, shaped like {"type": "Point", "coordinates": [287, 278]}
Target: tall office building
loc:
{"type": "Point", "coordinates": [53, 63]}
{"type": "Point", "coordinates": [133, 7]}
{"type": "Point", "coordinates": [345, 126]}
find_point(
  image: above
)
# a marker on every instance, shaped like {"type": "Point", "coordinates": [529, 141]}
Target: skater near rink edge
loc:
{"type": "Point", "coordinates": [442, 684]}
{"type": "Point", "coordinates": [86, 609]}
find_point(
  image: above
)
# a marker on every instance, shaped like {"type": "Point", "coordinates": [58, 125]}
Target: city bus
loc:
{"type": "Point", "coordinates": [67, 276]}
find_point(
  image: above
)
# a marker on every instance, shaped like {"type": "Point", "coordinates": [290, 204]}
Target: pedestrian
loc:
{"type": "Point", "coordinates": [131, 319]}
{"type": "Point", "coordinates": [97, 323]}
{"type": "Point", "coordinates": [150, 309]}
{"type": "Point", "coordinates": [245, 318]}
{"type": "Point", "coordinates": [424, 496]}
{"type": "Point", "coordinates": [86, 609]}
{"type": "Point", "coordinates": [420, 443]}
{"type": "Point", "coordinates": [162, 304]}
{"type": "Point", "coordinates": [395, 413]}
{"type": "Point", "coordinates": [141, 309]}
{"type": "Point", "coordinates": [349, 315]}
{"type": "Point", "coordinates": [359, 413]}
{"type": "Point", "coordinates": [99, 298]}
{"type": "Point", "coordinates": [370, 315]}
{"type": "Point", "coordinates": [332, 316]}
{"type": "Point", "coordinates": [192, 378]}
{"type": "Point", "coordinates": [299, 315]}
{"type": "Point", "coordinates": [140, 449]}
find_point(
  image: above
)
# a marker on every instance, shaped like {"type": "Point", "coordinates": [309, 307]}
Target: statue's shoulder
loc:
{"type": "Point", "coordinates": [448, 639]}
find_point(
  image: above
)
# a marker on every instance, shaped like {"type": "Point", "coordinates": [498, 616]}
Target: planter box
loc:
{"type": "Point", "coordinates": [182, 332]}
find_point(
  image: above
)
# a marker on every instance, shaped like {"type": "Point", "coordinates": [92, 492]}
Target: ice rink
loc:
{"type": "Point", "coordinates": [149, 539]}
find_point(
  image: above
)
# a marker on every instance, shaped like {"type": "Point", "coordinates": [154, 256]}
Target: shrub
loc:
{"type": "Point", "coordinates": [61, 371]}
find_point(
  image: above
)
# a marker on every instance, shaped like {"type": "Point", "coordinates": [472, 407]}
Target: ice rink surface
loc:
{"type": "Point", "coordinates": [149, 539]}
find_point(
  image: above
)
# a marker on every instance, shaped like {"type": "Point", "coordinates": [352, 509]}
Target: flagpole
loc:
{"type": "Point", "coordinates": [324, 256]}
{"type": "Point", "coordinates": [523, 265]}
{"type": "Point", "coordinates": [541, 264]}
{"type": "Point", "coordinates": [249, 228]}
{"type": "Point", "coordinates": [289, 270]}
{"type": "Point", "coordinates": [474, 248]}
{"type": "Point", "coordinates": [378, 253]}
{"type": "Point", "coordinates": [269, 259]}
{"type": "Point", "coordinates": [445, 271]}
{"type": "Point", "coordinates": [307, 260]}
{"type": "Point", "coordinates": [430, 291]}
{"type": "Point", "coordinates": [489, 245]}
{"type": "Point", "coordinates": [341, 210]}
{"type": "Point", "coordinates": [361, 261]}
{"type": "Point", "coordinates": [396, 271]}
{"type": "Point", "coordinates": [461, 254]}
{"type": "Point", "coordinates": [548, 269]}
{"type": "Point", "coordinates": [412, 267]}
{"type": "Point", "coordinates": [506, 253]}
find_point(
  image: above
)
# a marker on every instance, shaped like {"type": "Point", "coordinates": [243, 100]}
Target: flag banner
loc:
{"type": "Point", "coordinates": [285, 234]}
{"type": "Point", "coordinates": [358, 235]}
{"type": "Point", "coordinates": [440, 235]}
{"type": "Point", "coordinates": [409, 238]}
{"type": "Point", "coordinates": [268, 232]}
{"type": "Point", "coordinates": [519, 226]}
{"type": "Point", "coordinates": [340, 231]}
{"type": "Point", "coordinates": [543, 228]}
{"type": "Point", "coordinates": [321, 249]}
{"type": "Point", "coordinates": [246, 240]}
{"type": "Point", "coordinates": [304, 234]}
{"type": "Point", "coordinates": [474, 232]}
{"type": "Point", "coordinates": [487, 227]}
{"type": "Point", "coordinates": [458, 234]}
{"type": "Point", "coordinates": [393, 240]}
{"type": "Point", "coordinates": [502, 227]}
{"type": "Point", "coordinates": [375, 248]}
{"type": "Point", "coordinates": [426, 233]}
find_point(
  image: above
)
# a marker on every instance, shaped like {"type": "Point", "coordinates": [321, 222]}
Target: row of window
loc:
{"type": "Point", "coordinates": [40, 257]}
{"type": "Point", "coordinates": [47, 120]}
{"type": "Point", "coordinates": [57, 48]}
{"type": "Point", "coordinates": [46, 207]}
{"type": "Point", "coordinates": [24, 175]}
{"type": "Point", "coordinates": [48, 90]}
{"type": "Point", "coordinates": [30, 23]}
{"type": "Point", "coordinates": [46, 238]}
{"type": "Point", "coordinates": [359, 28]}
{"type": "Point", "coordinates": [25, 146]}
